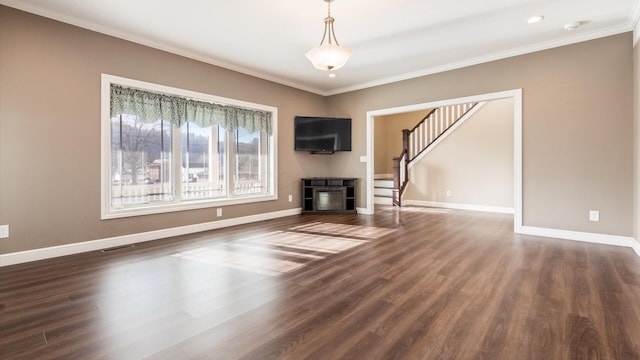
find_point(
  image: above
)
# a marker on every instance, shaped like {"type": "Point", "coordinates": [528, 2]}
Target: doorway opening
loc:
{"type": "Point", "coordinates": [515, 95]}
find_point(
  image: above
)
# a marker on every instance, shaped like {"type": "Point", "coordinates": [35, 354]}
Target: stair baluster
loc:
{"type": "Point", "coordinates": [420, 137]}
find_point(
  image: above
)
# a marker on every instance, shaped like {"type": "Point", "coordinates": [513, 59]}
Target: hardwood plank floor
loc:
{"type": "Point", "coordinates": [410, 283]}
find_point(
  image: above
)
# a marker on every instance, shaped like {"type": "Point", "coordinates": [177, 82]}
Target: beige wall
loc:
{"type": "Point", "coordinates": [577, 141]}
{"type": "Point", "coordinates": [636, 116]}
{"type": "Point", "coordinates": [577, 128]}
{"type": "Point", "coordinates": [50, 129]}
{"type": "Point", "coordinates": [381, 147]}
{"type": "Point", "coordinates": [388, 137]}
{"type": "Point", "coordinates": [474, 163]}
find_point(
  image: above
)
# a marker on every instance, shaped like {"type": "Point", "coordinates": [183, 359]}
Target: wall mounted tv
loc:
{"type": "Point", "coordinates": [322, 134]}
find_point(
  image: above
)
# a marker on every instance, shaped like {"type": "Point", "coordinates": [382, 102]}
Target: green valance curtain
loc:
{"type": "Point", "coordinates": [150, 107]}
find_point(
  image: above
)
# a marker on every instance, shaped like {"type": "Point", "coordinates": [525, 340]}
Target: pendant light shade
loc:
{"type": "Point", "coordinates": [330, 55]}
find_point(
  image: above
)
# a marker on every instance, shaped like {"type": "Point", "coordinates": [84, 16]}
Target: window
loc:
{"type": "Point", "coordinates": [166, 149]}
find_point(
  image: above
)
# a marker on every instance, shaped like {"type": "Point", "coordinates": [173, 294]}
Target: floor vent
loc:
{"type": "Point", "coordinates": [117, 248]}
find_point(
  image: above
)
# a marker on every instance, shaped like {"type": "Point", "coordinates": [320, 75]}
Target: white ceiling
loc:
{"type": "Point", "coordinates": [391, 40]}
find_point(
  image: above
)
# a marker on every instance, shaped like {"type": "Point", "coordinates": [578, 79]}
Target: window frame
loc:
{"type": "Point", "coordinates": [177, 204]}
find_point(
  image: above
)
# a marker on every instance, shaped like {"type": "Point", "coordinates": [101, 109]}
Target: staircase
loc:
{"type": "Point", "coordinates": [383, 191]}
{"type": "Point", "coordinates": [417, 140]}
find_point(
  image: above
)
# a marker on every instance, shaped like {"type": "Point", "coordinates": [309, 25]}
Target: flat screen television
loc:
{"type": "Point", "coordinates": [322, 134]}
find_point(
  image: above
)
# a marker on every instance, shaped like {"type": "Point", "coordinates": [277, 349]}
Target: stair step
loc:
{"type": "Point", "coordinates": [383, 192]}
{"type": "Point", "coordinates": [383, 184]}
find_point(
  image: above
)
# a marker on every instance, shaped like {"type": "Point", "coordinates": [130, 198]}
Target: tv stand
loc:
{"type": "Point", "coordinates": [329, 195]}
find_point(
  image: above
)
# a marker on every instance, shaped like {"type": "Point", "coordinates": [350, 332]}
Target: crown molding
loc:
{"type": "Point", "coordinates": [88, 25]}
{"type": "Point", "coordinates": [578, 38]}
{"type": "Point", "coordinates": [632, 25]}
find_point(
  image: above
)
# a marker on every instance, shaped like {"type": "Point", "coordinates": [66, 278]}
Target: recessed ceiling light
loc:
{"type": "Point", "coordinates": [573, 25]}
{"type": "Point", "coordinates": [332, 75]}
{"type": "Point", "coordinates": [535, 19]}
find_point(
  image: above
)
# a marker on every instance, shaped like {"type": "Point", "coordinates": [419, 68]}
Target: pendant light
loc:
{"type": "Point", "coordinates": [330, 55]}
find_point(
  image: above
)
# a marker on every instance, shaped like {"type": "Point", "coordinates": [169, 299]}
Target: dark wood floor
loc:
{"type": "Point", "coordinates": [415, 283]}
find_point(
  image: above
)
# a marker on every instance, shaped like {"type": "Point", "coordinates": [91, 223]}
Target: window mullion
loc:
{"type": "Point", "coordinates": [230, 163]}
{"type": "Point", "coordinates": [265, 179]}
{"type": "Point", "coordinates": [176, 161]}
{"type": "Point", "coordinates": [120, 162]}
{"type": "Point", "coordinates": [213, 170]}
{"type": "Point", "coordinates": [166, 188]}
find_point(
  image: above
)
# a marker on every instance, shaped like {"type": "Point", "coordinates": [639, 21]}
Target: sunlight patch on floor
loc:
{"type": "Point", "coordinates": [281, 252]}
{"type": "Point", "coordinates": [302, 241]}
{"type": "Point", "coordinates": [237, 260]}
{"type": "Point", "coordinates": [356, 231]}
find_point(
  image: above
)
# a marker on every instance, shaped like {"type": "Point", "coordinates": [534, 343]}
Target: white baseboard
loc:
{"type": "Point", "coordinates": [93, 245]}
{"type": "Point", "coordinates": [493, 209]}
{"type": "Point", "coordinates": [635, 245]}
{"type": "Point", "coordinates": [537, 231]}
{"type": "Point", "coordinates": [583, 236]}
{"type": "Point", "coordinates": [70, 249]}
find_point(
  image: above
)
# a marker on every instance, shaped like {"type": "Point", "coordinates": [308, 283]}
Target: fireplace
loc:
{"type": "Point", "coordinates": [329, 199]}
{"type": "Point", "coordinates": [329, 195]}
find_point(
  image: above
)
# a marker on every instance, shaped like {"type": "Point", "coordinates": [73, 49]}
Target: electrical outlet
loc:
{"type": "Point", "coordinates": [448, 193]}
{"type": "Point", "coordinates": [290, 198]}
{"type": "Point", "coordinates": [594, 215]}
{"type": "Point", "coordinates": [4, 231]}
{"type": "Point", "coordinates": [218, 212]}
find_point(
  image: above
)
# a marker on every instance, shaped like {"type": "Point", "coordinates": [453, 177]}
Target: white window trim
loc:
{"type": "Point", "coordinates": [105, 159]}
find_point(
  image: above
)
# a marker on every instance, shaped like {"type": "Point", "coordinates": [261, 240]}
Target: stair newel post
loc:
{"type": "Point", "coordinates": [397, 163]}
{"type": "Point", "coordinates": [404, 171]}
{"type": "Point", "coordinates": [400, 165]}
{"type": "Point", "coordinates": [396, 173]}
{"type": "Point", "coordinates": [405, 140]}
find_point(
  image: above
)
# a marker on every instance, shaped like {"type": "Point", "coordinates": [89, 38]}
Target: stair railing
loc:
{"type": "Point", "coordinates": [432, 126]}
{"type": "Point", "coordinates": [400, 167]}
{"type": "Point", "coordinates": [420, 137]}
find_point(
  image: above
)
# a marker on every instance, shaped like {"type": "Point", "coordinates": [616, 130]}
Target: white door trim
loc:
{"type": "Point", "coordinates": [515, 94]}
